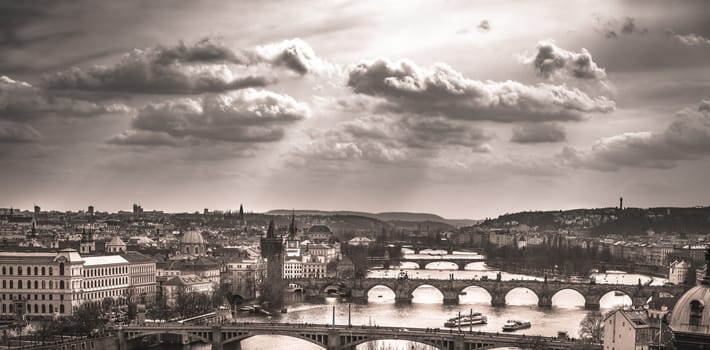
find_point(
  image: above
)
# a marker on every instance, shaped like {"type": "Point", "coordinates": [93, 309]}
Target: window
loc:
{"type": "Point", "coordinates": [51, 308]}
{"type": "Point", "coordinates": [10, 270]}
{"type": "Point", "coordinates": [61, 284]}
{"type": "Point", "coordinates": [61, 308]}
{"type": "Point", "coordinates": [43, 270]}
{"type": "Point", "coordinates": [36, 269]}
{"type": "Point", "coordinates": [61, 269]}
{"type": "Point", "coordinates": [696, 312]}
{"type": "Point", "coordinates": [4, 270]}
{"type": "Point", "coordinates": [51, 271]}
{"type": "Point", "coordinates": [37, 284]}
{"type": "Point", "coordinates": [19, 284]}
{"type": "Point", "coordinates": [19, 270]}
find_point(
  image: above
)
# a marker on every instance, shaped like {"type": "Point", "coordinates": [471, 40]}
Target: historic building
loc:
{"type": "Point", "coordinates": [192, 244]}
{"type": "Point", "coordinates": [678, 272]}
{"type": "Point", "coordinates": [116, 246]}
{"type": "Point", "coordinates": [690, 318]}
{"type": "Point", "coordinates": [48, 284]}
{"type": "Point", "coordinates": [244, 275]}
{"type": "Point", "coordinates": [629, 329]}
{"type": "Point", "coordinates": [272, 250]}
{"type": "Point", "coordinates": [320, 233]}
{"type": "Point", "coordinates": [185, 284]}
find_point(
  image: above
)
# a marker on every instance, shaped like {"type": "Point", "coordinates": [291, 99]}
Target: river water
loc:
{"type": "Point", "coordinates": [427, 309]}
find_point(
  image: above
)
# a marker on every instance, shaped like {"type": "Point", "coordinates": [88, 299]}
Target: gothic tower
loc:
{"type": "Point", "coordinates": [273, 251]}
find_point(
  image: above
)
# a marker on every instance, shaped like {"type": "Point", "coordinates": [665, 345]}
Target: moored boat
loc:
{"type": "Point", "coordinates": [473, 319]}
{"type": "Point", "coordinates": [514, 325]}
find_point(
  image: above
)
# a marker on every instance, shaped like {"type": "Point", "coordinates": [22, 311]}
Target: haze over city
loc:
{"type": "Point", "coordinates": [458, 108]}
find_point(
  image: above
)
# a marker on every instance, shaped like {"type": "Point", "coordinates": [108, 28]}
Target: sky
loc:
{"type": "Point", "coordinates": [466, 109]}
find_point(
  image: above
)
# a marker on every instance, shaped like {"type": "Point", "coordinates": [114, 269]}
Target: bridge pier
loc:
{"type": "Point", "coordinates": [333, 339]}
{"type": "Point", "coordinates": [122, 343]}
{"type": "Point", "coordinates": [544, 300]}
{"type": "Point", "coordinates": [451, 297]}
{"type": "Point", "coordinates": [217, 338]}
{"type": "Point", "coordinates": [462, 266]}
{"type": "Point", "coordinates": [498, 299]}
{"type": "Point", "coordinates": [591, 302]}
{"type": "Point", "coordinates": [358, 295]}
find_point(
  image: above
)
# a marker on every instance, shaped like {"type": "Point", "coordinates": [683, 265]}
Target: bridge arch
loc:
{"type": "Point", "coordinates": [157, 331]}
{"type": "Point", "coordinates": [509, 298]}
{"type": "Point", "coordinates": [473, 285]}
{"type": "Point", "coordinates": [426, 285]}
{"type": "Point", "coordinates": [319, 340]}
{"type": "Point", "coordinates": [613, 297]}
{"type": "Point", "coordinates": [428, 264]}
{"type": "Point", "coordinates": [375, 338]}
{"type": "Point", "coordinates": [556, 293]}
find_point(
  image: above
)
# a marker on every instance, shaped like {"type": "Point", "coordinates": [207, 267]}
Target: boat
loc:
{"type": "Point", "coordinates": [514, 325]}
{"type": "Point", "coordinates": [466, 320]}
{"type": "Point", "coordinates": [463, 292]}
{"type": "Point", "coordinates": [618, 294]}
{"type": "Point", "coordinates": [247, 308]}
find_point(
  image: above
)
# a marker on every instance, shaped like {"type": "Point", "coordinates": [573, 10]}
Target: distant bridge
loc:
{"type": "Point", "coordinates": [452, 288]}
{"type": "Point", "coordinates": [338, 337]}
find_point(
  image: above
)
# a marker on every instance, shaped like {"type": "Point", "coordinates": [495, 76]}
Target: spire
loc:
{"type": "Point", "coordinates": [292, 229]}
{"type": "Point", "coordinates": [241, 212]}
{"type": "Point", "coordinates": [270, 231]}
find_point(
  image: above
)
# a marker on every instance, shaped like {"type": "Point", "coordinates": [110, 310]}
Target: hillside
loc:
{"type": "Point", "coordinates": [386, 216]}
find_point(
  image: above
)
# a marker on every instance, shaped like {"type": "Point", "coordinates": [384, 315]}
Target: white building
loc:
{"type": "Point", "coordinates": [629, 330]}
{"type": "Point", "coordinates": [678, 272]}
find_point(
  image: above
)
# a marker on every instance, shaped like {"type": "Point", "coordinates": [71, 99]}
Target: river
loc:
{"type": "Point", "coordinates": [427, 309]}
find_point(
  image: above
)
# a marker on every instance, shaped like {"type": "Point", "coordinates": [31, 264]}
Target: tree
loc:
{"type": "Point", "coordinates": [592, 327]}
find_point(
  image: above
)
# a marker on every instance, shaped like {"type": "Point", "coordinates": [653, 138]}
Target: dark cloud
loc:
{"type": "Point", "coordinates": [248, 116]}
{"type": "Point", "coordinates": [538, 133]}
{"type": "Point", "coordinates": [205, 66]}
{"type": "Point", "coordinates": [442, 91]}
{"type": "Point", "coordinates": [687, 137]}
{"type": "Point", "coordinates": [484, 26]}
{"type": "Point", "coordinates": [11, 132]}
{"type": "Point", "coordinates": [552, 61]}
{"type": "Point", "coordinates": [20, 101]}
{"type": "Point", "coordinates": [613, 28]}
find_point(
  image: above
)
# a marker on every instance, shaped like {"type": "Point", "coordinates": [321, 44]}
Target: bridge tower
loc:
{"type": "Point", "coordinates": [272, 250]}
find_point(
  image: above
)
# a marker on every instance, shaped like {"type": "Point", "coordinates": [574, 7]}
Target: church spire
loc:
{"type": "Point", "coordinates": [292, 229]}
{"type": "Point", "coordinates": [270, 231]}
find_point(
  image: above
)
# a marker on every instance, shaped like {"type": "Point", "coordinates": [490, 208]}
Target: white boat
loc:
{"type": "Point", "coordinates": [514, 325]}
{"type": "Point", "coordinates": [466, 320]}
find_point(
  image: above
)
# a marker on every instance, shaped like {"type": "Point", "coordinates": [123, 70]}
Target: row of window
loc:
{"type": "Point", "coordinates": [28, 284]}
{"type": "Point", "coordinates": [37, 270]}
{"type": "Point", "coordinates": [105, 271]}
{"type": "Point", "coordinates": [29, 296]}
{"type": "Point", "coordinates": [43, 308]}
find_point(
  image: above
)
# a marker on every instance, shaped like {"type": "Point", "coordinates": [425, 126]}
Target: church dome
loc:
{"type": "Point", "coordinates": [192, 237]}
{"type": "Point", "coordinates": [691, 313]}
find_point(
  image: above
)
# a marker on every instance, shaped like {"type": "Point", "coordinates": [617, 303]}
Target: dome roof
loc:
{"type": "Point", "coordinates": [192, 237]}
{"type": "Point", "coordinates": [680, 316]}
{"type": "Point", "coordinates": [319, 229]}
{"type": "Point", "coordinates": [691, 313]}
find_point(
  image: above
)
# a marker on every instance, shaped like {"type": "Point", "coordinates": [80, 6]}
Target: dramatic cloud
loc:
{"type": "Point", "coordinates": [538, 133]}
{"type": "Point", "coordinates": [688, 137]}
{"type": "Point", "coordinates": [552, 61]}
{"type": "Point", "coordinates": [691, 39]}
{"type": "Point", "coordinates": [484, 26]}
{"type": "Point", "coordinates": [205, 66]}
{"type": "Point", "coordinates": [295, 55]}
{"type": "Point", "coordinates": [248, 116]}
{"type": "Point", "coordinates": [440, 90]}
{"type": "Point", "coordinates": [11, 132]}
{"type": "Point", "coordinates": [20, 101]}
{"type": "Point", "coordinates": [392, 138]}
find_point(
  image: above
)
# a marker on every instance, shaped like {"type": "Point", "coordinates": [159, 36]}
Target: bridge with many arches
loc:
{"type": "Point", "coordinates": [451, 289]}
{"type": "Point", "coordinates": [338, 337]}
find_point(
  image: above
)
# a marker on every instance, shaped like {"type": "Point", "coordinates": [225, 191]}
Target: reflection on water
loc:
{"type": "Point", "coordinates": [427, 309]}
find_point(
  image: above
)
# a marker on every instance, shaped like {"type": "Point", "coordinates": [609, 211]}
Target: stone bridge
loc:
{"type": "Point", "coordinates": [460, 260]}
{"type": "Point", "coordinates": [338, 337]}
{"type": "Point", "coordinates": [498, 290]}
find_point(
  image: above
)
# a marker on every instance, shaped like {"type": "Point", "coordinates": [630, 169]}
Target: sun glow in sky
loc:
{"type": "Point", "coordinates": [465, 109]}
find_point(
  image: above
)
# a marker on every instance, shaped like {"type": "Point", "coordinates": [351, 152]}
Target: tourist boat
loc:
{"type": "Point", "coordinates": [466, 320]}
{"type": "Point", "coordinates": [247, 308]}
{"type": "Point", "coordinates": [514, 325]}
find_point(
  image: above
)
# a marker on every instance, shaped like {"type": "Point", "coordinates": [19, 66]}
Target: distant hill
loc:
{"type": "Point", "coordinates": [386, 216]}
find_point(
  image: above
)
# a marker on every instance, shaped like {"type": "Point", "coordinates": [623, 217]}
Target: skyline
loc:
{"type": "Point", "coordinates": [461, 109]}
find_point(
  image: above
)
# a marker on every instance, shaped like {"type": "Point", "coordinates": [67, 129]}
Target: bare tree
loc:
{"type": "Point", "coordinates": [592, 327]}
